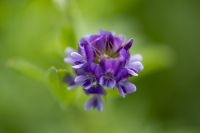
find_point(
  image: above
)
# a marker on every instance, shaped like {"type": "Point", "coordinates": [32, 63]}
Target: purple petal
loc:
{"type": "Point", "coordinates": [68, 51]}
{"type": "Point", "coordinates": [102, 81]}
{"type": "Point", "coordinates": [124, 55]}
{"type": "Point", "coordinates": [99, 44]}
{"type": "Point", "coordinates": [129, 87]}
{"type": "Point", "coordinates": [111, 83]}
{"type": "Point", "coordinates": [80, 79]}
{"type": "Point", "coordinates": [78, 66]}
{"type": "Point", "coordinates": [128, 44]}
{"type": "Point", "coordinates": [105, 33]}
{"type": "Point", "coordinates": [118, 40]}
{"type": "Point", "coordinates": [99, 103]}
{"type": "Point", "coordinates": [76, 56]}
{"type": "Point", "coordinates": [83, 41]}
{"type": "Point", "coordinates": [96, 70]}
{"type": "Point", "coordinates": [121, 92]}
{"type": "Point", "coordinates": [74, 59]}
{"type": "Point", "coordinates": [70, 87]}
{"type": "Point", "coordinates": [132, 72]}
{"type": "Point", "coordinates": [88, 50]}
{"type": "Point", "coordinates": [89, 104]}
{"type": "Point", "coordinates": [68, 59]}
{"type": "Point", "coordinates": [95, 89]}
{"type": "Point", "coordinates": [92, 38]}
{"type": "Point", "coordinates": [136, 66]}
{"type": "Point", "coordinates": [69, 79]}
{"type": "Point", "coordinates": [121, 74]}
{"type": "Point", "coordinates": [95, 102]}
{"type": "Point", "coordinates": [109, 42]}
{"type": "Point", "coordinates": [112, 42]}
{"type": "Point", "coordinates": [84, 70]}
{"type": "Point", "coordinates": [125, 87]}
{"type": "Point", "coordinates": [136, 57]}
{"type": "Point", "coordinates": [110, 65]}
{"type": "Point", "coordinates": [86, 81]}
{"type": "Point", "coordinates": [107, 81]}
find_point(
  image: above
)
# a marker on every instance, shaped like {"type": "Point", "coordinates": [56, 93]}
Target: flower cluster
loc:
{"type": "Point", "coordinates": [103, 60]}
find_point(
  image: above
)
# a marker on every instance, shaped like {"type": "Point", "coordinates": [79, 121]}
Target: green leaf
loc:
{"type": "Point", "coordinates": [28, 69]}
{"type": "Point", "coordinates": [59, 88]}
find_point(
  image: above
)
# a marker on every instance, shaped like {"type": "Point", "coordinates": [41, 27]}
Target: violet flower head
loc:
{"type": "Point", "coordinates": [103, 60]}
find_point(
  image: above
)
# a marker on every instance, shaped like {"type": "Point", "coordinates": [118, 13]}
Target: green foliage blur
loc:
{"type": "Point", "coordinates": [33, 38]}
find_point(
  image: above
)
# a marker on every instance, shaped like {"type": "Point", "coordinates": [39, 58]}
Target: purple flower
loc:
{"type": "Point", "coordinates": [85, 80]}
{"type": "Point", "coordinates": [95, 102]}
{"type": "Point", "coordinates": [103, 59]}
{"type": "Point", "coordinates": [134, 65]}
{"type": "Point", "coordinates": [95, 89]}
{"type": "Point", "coordinates": [125, 87]}
{"type": "Point", "coordinates": [70, 81]}
{"type": "Point", "coordinates": [74, 58]}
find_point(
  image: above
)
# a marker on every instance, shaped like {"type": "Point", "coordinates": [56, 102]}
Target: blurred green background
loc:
{"type": "Point", "coordinates": [35, 33]}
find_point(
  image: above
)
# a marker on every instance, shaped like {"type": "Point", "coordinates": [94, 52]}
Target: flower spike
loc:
{"type": "Point", "coordinates": [103, 60]}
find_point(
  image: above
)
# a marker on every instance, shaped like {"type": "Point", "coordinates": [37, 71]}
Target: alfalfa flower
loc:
{"type": "Point", "coordinates": [103, 60]}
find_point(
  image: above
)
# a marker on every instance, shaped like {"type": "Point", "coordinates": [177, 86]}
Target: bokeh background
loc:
{"type": "Point", "coordinates": [35, 33]}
